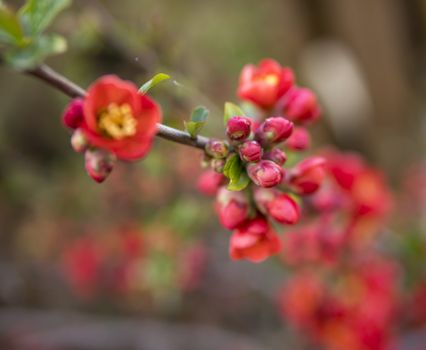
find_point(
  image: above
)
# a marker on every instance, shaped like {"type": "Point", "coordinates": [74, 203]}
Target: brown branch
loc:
{"type": "Point", "coordinates": [53, 78]}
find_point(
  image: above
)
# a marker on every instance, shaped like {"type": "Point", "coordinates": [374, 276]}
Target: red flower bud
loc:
{"type": "Point", "coordinates": [265, 173]}
{"type": "Point", "coordinates": [209, 182]}
{"type": "Point", "coordinates": [265, 84]}
{"type": "Point", "coordinates": [254, 241]}
{"type": "Point", "coordinates": [307, 176]}
{"type": "Point", "coordinates": [99, 164]}
{"type": "Point", "coordinates": [232, 208]}
{"type": "Point", "coordinates": [284, 209]}
{"type": "Point", "coordinates": [276, 155]}
{"type": "Point", "coordinates": [274, 130]}
{"type": "Point", "coordinates": [301, 105]}
{"type": "Point", "coordinates": [299, 139]}
{"type": "Point", "coordinates": [251, 151]}
{"type": "Point", "coordinates": [78, 141]}
{"type": "Point", "coordinates": [262, 197]}
{"type": "Point", "coordinates": [238, 128]}
{"type": "Point", "coordinates": [217, 149]}
{"type": "Point", "coordinates": [73, 114]}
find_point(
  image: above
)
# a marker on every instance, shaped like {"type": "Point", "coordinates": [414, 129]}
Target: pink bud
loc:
{"type": "Point", "coordinates": [301, 105]}
{"type": "Point", "coordinates": [276, 155]}
{"type": "Point", "coordinates": [217, 149]}
{"type": "Point", "coordinates": [232, 208]}
{"type": "Point", "coordinates": [299, 140]}
{"type": "Point", "coordinates": [262, 196]}
{"type": "Point", "coordinates": [265, 173]}
{"type": "Point", "coordinates": [78, 141]}
{"type": "Point", "coordinates": [209, 182]}
{"type": "Point", "coordinates": [284, 209]}
{"type": "Point", "coordinates": [251, 151]}
{"type": "Point", "coordinates": [274, 130]}
{"type": "Point", "coordinates": [73, 114]}
{"type": "Point", "coordinates": [238, 128]}
{"type": "Point", "coordinates": [307, 176]}
{"type": "Point", "coordinates": [99, 164]}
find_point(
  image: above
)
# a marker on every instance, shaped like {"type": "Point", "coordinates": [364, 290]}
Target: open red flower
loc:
{"type": "Point", "coordinates": [265, 84]}
{"type": "Point", "coordinates": [254, 241]}
{"type": "Point", "coordinates": [119, 119]}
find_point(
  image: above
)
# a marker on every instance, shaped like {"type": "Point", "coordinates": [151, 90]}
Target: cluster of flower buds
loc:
{"type": "Point", "coordinates": [255, 157]}
{"type": "Point", "coordinates": [113, 121]}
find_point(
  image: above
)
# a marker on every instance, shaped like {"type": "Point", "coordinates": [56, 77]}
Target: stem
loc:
{"type": "Point", "coordinates": [53, 78]}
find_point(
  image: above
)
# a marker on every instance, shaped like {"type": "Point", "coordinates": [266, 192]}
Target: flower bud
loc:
{"type": "Point", "coordinates": [301, 105]}
{"type": "Point", "coordinates": [217, 165]}
{"type": "Point", "coordinates": [73, 114]}
{"type": "Point", "coordinates": [217, 149]}
{"type": "Point", "coordinates": [265, 173]}
{"type": "Point", "coordinates": [99, 164]}
{"type": "Point", "coordinates": [232, 208]}
{"type": "Point", "coordinates": [284, 209]}
{"type": "Point", "coordinates": [78, 141]}
{"type": "Point", "coordinates": [274, 130]}
{"type": "Point", "coordinates": [299, 140]}
{"type": "Point", "coordinates": [209, 182]}
{"type": "Point", "coordinates": [238, 128]}
{"type": "Point", "coordinates": [262, 196]}
{"type": "Point", "coordinates": [254, 241]}
{"type": "Point", "coordinates": [276, 155]}
{"type": "Point", "coordinates": [251, 151]}
{"type": "Point", "coordinates": [307, 176]}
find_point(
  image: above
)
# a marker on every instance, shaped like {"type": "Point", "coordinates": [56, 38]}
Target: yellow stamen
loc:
{"type": "Point", "coordinates": [271, 79]}
{"type": "Point", "coordinates": [117, 121]}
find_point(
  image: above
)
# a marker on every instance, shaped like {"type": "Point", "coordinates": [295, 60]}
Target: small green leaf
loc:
{"type": "Point", "coordinates": [193, 128]}
{"type": "Point", "coordinates": [234, 170]}
{"type": "Point", "coordinates": [36, 15]}
{"type": "Point", "coordinates": [35, 53]}
{"type": "Point", "coordinates": [10, 28]}
{"type": "Point", "coordinates": [230, 163]}
{"type": "Point", "coordinates": [199, 114]}
{"type": "Point", "coordinates": [198, 119]}
{"type": "Point", "coordinates": [232, 110]}
{"type": "Point", "coordinates": [158, 78]}
{"type": "Point", "coordinates": [240, 183]}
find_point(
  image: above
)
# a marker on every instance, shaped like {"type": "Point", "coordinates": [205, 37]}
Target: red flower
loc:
{"type": "Point", "coordinates": [239, 128]}
{"type": "Point", "coordinates": [274, 130]}
{"type": "Point", "coordinates": [307, 176]}
{"type": "Point", "coordinates": [251, 151]}
{"type": "Point", "coordinates": [254, 241]}
{"type": "Point", "coordinates": [119, 119]}
{"type": "Point", "coordinates": [265, 84]}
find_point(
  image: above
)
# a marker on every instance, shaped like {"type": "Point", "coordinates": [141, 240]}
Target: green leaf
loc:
{"type": "Point", "coordinates": [199, 114]}
{"type": "Point", "coordinates": [193, 128]}
{"type": "Point", "coordinates": [240, 183]}
{"type": "Point", "coordinates": [158, 78]}
{"type": "Point", "coordinates": [234, 170]}
{"type": "Point", "coordinates": [35, 53]}
{"type": "Point", "coordinates": [198, 119]}
{"type": "Point", "coordinates": [36, 15]}
{"type": "Point", "coordinates": [232, 110]}
{"type": "Point", "coordinates": [10, 28]}
{"type": "Point", "coordinates": [230, 164]}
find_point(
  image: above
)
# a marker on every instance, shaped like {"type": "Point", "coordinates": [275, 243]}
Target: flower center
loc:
{"type": "Point", "coordinates": [271, 79]}
{"type": "Point", "coordinates": [117, 121]}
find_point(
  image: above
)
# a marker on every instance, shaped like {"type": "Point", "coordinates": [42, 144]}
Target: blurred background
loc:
{"type": "Point", "coordinates": [140, 262]}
